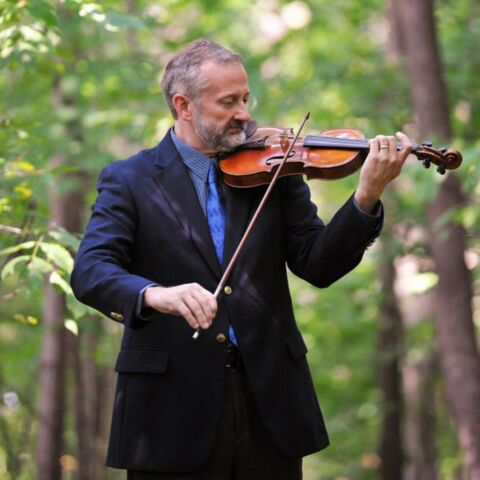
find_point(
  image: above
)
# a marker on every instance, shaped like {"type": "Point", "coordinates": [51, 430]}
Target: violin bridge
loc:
{"type": "Point", "coordinates": [283, 137]}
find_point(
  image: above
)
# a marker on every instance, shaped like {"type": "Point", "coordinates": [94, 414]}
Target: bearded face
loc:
{"type": "Point", "coordinates": [219, 138]}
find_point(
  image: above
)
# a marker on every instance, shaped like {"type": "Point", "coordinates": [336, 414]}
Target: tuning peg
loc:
{"type": "Point", "coordinates": [426, 143]}
{"type": "Point", "coordinates": [426, 163]}
{"type": "Point", "coordinates": [441, 170]}
{"type": "Point", "coordinates": [443, 150]}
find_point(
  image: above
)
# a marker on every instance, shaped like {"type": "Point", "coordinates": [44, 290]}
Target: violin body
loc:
{"type": "Point", "coordinates": [331, 155]}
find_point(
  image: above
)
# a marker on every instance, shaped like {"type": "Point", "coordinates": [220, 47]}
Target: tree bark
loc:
{"type": "Point", "coordinates": [457, 347]}
{"type": "Point", "coordinates": [420, 377]}
{"type": "Point", "coordinates": [419, 380]}
{"type": "Point", "coordinates": [52, 383]}
{"type": "Point", "coordinates": [52, 366]}
{"type": "Point", "coordinates": [389, 355]}
{"type": "Point", "coordinates": [105, 380]}
{"type": "Point", "coordinates": [91, 427]}
{"type": "Point", "coordinates": [459, 357]}
{"type": "Point", "coordinates": [395, 45]}
{"type": "Point", "coordinates": [66, 210]}
{"type": "Point", "coordinates": [428, 92]}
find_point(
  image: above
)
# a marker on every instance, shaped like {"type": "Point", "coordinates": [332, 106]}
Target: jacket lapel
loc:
{"type": "Point", "coordinates": [176, 186]}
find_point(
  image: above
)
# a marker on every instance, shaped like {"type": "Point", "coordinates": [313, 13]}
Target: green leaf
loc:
{"type": "Point", "coordinates": [43, 11]}
{"type": "Point", "coordinates": [72, 326]}
{"type": "Point", "coordinates": [10, 266]}
{"type": "Point", "coordinates": [39, 266]}
{"type": "Point", "coordinates": [58, 255]}
{"type": "Point", "coordinates": [17, 248]}
{"type": "Point", "coordinates": [65, 237]}
{"type": "Point", "coordinates": [56, 279]}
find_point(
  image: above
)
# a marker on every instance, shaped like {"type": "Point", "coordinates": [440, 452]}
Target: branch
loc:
{"type": "Point", "coordinates": [9, 229]}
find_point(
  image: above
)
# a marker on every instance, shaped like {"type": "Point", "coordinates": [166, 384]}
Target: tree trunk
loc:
{"type": "Point", "coordinates": [52, 367]}
{"type": "Point", "coordinates": [389, 353]}
{"type": "Point", "coordinates": [459, 357]}
{"type": "Point", "coordinates": [52, 383]}
{"type": "Point", "coordinates": [428, 93]}
{"type": "Point", "coordinates": [66, 209]}
{"type": "Point", "coordinates": [420, 375]}
{"type": "Point", "coordinates": [91, 427]}
{"type": "Point", "coordinates": [457, 348]}
{"type": "Point", "coordinates": [395, 45]}
{"type": "Point", "coordinates": [105, 380]}
{"type": "Point", "coordinates": [419, 380]}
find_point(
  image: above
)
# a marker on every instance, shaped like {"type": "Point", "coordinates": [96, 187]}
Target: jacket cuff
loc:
{"type": "Point", "coordinates": [141, 312]}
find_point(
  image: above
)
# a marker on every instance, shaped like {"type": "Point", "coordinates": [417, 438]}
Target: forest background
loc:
{"type": "Point", "coordinates": [393, 346]}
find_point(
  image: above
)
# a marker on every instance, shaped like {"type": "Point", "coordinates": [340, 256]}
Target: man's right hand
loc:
{"type": "Point", "coordinates": [195, 304]}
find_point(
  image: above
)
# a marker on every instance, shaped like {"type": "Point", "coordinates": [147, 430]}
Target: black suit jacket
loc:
{"type": "Point", "coordinates": [147, 226]}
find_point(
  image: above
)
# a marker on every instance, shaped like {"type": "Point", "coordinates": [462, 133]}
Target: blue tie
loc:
{"type": "Point", "coordinates": [216, 222]}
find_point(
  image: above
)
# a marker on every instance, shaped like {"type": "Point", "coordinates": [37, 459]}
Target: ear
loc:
{"type": "Point", "coordinates": [184, 106]}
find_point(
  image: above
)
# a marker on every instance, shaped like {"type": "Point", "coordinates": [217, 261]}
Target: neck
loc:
{"type": "Point", "coordinates": [186, 133]}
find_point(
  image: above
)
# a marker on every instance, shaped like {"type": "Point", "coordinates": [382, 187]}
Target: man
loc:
{"type": "Point", "coordinates": [238, 402]}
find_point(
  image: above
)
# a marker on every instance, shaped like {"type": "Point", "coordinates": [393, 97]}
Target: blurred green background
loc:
{"type": "Point", "coordinates": [80, 87]}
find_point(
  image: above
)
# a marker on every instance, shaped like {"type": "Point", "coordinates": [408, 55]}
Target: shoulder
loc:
{"type": "Point", "coordinates": [142, 161]}
{"type": "Point", "coordinates": [145, 162]}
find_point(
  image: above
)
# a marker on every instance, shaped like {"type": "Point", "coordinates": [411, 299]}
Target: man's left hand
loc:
{"type": "Point", "coordinates": [383, 163]}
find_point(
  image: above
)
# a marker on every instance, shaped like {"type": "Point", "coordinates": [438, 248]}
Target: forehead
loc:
{"type": "Point", "coordinates": [224, 78]}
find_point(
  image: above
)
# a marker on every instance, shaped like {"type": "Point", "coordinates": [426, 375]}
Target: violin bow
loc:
{"type": "Point", "coordinates": [257, 213]}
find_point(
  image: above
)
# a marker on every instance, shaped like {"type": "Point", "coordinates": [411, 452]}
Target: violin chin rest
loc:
{"type": "Point", "coordinates": [250, 128]}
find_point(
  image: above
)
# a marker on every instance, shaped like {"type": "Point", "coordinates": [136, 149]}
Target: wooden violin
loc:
{"type": "Point", "coordinates": [269, 153]}
{"type": "Point", "coordinates": [331, 155]}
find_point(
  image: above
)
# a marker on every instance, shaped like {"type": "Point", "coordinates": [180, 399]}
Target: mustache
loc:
{"type": "Point", "coordinates": [236, 124]}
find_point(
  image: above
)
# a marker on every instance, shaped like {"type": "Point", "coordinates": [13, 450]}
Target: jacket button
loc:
{"type": "Point", "coordinates": [221, 338]}
{"type": "Point", "coordinates": [117, 316]}
{"type": "Point", "coordinates": [228, 290]}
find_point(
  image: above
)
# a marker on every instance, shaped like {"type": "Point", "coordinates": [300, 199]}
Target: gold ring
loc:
{"type": "Point", "coordinates": [383, 146]}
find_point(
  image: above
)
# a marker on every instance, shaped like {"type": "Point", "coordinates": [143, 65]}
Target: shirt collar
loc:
{"type": "Point", "coordinates": [196, 161]}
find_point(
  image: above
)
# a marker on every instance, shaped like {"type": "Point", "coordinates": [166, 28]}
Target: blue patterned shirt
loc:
{"type": "Point", "coordinates": [198, 165]}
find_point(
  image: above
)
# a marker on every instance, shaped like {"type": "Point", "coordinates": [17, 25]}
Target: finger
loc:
{"type": "Point", "coordinates": [392, 147]}
{"type": "Point", "coordinates": [185, 312]}
{"type": "Point", "coordinates": [209, 310]}
{"type": "Point", "coordinates": [197, 311]}
{"type": "Point", "coordinates": [404, 140]}
{"type": "Point", "coordinates": [211, 303]}
{"type": "Point", "coordinates": [407, 145]}
{"type": "Point", "coordinates": [374, 146]}
{"type": "Point", "coordinates": [206, 300]}
{"type": "Point", "coordinates": [383, 143]}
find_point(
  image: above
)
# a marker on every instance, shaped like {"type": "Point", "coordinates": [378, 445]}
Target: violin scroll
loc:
{"type": "Point", "coordinates": [444, 158]}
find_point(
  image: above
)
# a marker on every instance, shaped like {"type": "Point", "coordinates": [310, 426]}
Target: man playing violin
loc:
{"type": "Point", "coordinates": [238, 402]}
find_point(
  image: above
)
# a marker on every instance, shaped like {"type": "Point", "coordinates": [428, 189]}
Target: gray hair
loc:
{"type": "Point", "coordinates": [182, 71]}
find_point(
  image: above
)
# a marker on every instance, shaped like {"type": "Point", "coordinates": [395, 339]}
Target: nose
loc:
{"type": "Point", "coordinates": [242, 113]}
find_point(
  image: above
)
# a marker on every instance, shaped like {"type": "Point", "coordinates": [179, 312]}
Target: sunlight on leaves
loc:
{"type": "Point", "coordinates": [71, 326]}
{"type": "Point", "coordinates": [56, 279]}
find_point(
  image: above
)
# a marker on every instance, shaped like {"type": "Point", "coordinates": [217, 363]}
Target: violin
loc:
{"type": "Point", "coordinates": [269, 153]}
{"type": "Point", "coordinates": [331, 155]}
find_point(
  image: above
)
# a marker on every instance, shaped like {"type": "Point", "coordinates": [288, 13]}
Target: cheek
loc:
{"type": "Point", "coordinates": [222, 117]}
{"type": "Point", "coordinates": [216, 117]}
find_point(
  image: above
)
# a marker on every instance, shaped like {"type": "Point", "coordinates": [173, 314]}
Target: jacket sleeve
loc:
{"type": "Point", "coordinates": [101, 276]}
{"type": "Point", "coordinates": [319, 253]}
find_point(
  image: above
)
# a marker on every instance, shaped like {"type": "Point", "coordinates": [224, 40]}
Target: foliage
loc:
{"type": "Point", "coordinates": [80, 81]}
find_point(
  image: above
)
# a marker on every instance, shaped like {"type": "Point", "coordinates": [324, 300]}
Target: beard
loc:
{"type": "Point", "coordinates": [219, 140]}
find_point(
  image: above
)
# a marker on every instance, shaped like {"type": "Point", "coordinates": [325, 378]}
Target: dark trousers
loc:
{"type": "Point", "coordinates": [243, 449]}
